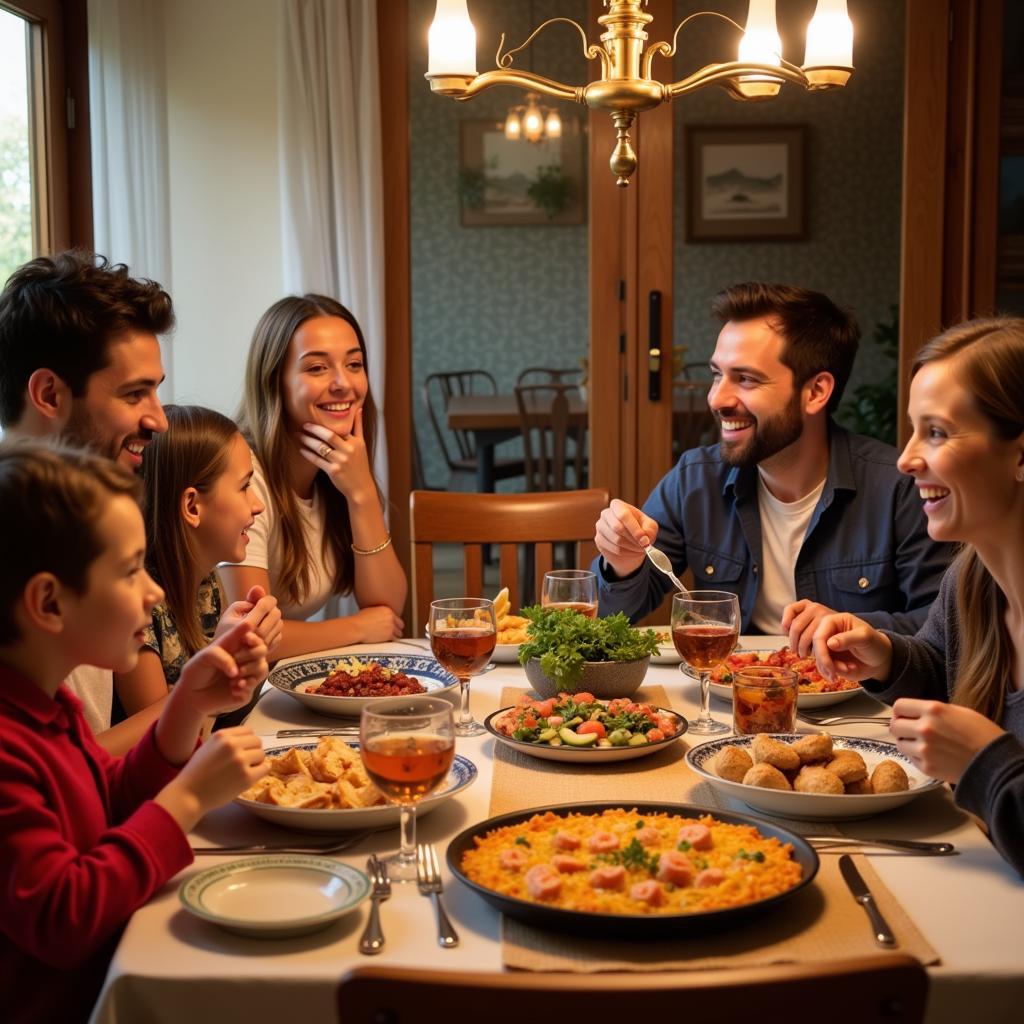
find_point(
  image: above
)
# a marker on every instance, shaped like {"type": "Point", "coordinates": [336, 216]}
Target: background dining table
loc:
{"type": "Point", "coordinates": [170, 966]}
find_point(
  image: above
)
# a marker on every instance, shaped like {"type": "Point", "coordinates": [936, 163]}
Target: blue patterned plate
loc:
{"type": "Point", "coordinates": [317, 819]}
{"type": "Point", "coordinates": [298, 677]}
{"type": "Point", "coordinates": [276, 896]}
{"type": "Point", "coordinates": [816, 806]}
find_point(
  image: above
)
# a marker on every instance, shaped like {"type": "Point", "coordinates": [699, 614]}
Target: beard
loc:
{"type": "Point", "coordinates": [769, 436]}
{"type": "Point", "coordinates": [82, 431]}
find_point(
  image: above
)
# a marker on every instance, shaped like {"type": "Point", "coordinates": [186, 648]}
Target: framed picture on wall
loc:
{"type": "Point", "coordinates": [744, 183]}
{"type": "Point", "coordinates": [509, 182]}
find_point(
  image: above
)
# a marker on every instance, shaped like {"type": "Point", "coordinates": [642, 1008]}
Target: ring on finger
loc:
{"type": "Point", "coordinates": [324, 451]}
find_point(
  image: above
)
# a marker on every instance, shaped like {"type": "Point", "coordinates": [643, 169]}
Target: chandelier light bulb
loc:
{"type": "Point", "coordinates": [513, 126]}
{"type": "Point", "coordinates": [828, 59]}
{"type": "Point", "coordinates": [553, 126]}
{"type": "Point", "coordinates": [533, 121]}
{"type": "Point", "coordinates": [451, 40]}
{"type": "Point", "coordinates": [760, 45]}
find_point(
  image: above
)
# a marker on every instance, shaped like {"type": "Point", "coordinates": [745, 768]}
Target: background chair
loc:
{"type": "Point", "coordinates": [693, 423]}
{"type": "Point", "coordinates": [890, 988]}
{"type": "Point", "coordinates": [509, 520]}
{"type": "Point", "coordinates": [552, 445]}
{"type": "Point", "coordinates": [458, 446]}
{"type": "Point", "coordinates": [550, 375]}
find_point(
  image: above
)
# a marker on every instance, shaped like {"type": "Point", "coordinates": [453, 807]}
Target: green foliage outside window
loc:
{"type": "Point", "coordinates": [15, 198]}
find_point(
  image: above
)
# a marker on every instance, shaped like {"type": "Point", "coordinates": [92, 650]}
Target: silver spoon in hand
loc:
{"type": "Point", "coordinates": [660, 562]}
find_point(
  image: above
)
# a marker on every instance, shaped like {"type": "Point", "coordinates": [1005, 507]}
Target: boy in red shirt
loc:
{"type": "Point", "coordinates": [85, 839]}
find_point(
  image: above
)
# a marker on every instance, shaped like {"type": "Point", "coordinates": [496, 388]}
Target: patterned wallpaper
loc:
{"type": "Point", "coordinates": [504, 298]}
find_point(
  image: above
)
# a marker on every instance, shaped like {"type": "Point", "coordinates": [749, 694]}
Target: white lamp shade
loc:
{"type": "Point", "coordinates": [829, 36]}
{"type": "Point", "coordinates": [553, 125]}
{"type": "Point", "coordinates": [452, 40]}
{"type": "Point", "coordinates": [533, 123]}
{"type": "Point", "coordinates": [761, 43]}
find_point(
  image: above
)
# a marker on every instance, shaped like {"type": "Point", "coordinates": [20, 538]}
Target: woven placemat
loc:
{"type": "Point", "coordinates": [821, 923]}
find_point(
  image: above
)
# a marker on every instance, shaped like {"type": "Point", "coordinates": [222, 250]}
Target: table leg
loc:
{"type": "Point", "coordinates": [485, 468]}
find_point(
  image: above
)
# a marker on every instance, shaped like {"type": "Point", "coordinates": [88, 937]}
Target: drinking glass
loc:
{"type": "Point", "coordinates": [570, 588]}
{"type": "Point", "coordinates": [463, 632]}
{"type": "Point", "coordinates": [407, 745]}
{"type": "Point", "coordinates": [764, 699]}
{"type": "Point", "coordinates": [705, 629]}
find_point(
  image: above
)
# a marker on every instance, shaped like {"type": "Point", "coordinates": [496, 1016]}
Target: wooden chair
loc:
{"type": "Point", "coordinates": [551, 444]}
{"type": "Point", "coordinates": [890, 989]}
{"type": "Point", "coordinates": [508, 520]}
{"type": "Point", "coordinates": [458, 446]}
{"type": "Point", "coordinates": [550, 375]}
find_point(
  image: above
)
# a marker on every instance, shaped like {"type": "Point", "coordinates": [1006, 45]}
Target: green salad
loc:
{"type": "Point", "coordinates": [564, 641]}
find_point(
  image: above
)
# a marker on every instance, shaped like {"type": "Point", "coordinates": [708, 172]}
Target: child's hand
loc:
{"type": "Point", "coordinates": [222, 676]}
{"type": "Point", "coordinates": [230, 761]}
{"type": "Point", "coordinates": [260, 610]}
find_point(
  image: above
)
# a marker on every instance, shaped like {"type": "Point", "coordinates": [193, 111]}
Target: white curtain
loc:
{"type": "Point", "coordinates": [128, 114]}
{"type": "Point", "coordinates": [332, 203]}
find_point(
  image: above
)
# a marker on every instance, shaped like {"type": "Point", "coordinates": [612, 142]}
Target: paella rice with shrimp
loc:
{"type": "Point", "coordinates": [624, 862]}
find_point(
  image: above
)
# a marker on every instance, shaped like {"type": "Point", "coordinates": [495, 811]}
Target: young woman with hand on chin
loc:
{"type": "Point", "coordinates": [958, 685]}
{"type": "Point", "coordinates": [310, 419]}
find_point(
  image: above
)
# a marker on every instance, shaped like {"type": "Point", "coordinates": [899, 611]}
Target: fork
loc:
{"type": "Point", "coordinates": [371, 941]}
{"type": "Point", "coordinates": [840, 719]}
{"type": "Point", "coordinates": [350, 840]}
{"type": "Point", "coordinates": [428, 881]}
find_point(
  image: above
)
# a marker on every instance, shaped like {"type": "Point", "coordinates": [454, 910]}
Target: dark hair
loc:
{"type": "Point", "coordinates": [988, 357]}
{"type": "Point", "coordinates": [51, 498]}
{"type": "Point", "coordinates": [193, 452]}
{"type": "Point", "coordinates": [61, 312]}
{"type": "Point", "coordinates": [262, 420]}
{"type": "Point", "coordinates": [819, 335]}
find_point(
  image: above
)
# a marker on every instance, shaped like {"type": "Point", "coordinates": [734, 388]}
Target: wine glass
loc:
{"type": "Point", "coordinates": [407, 746]}
{"type": "Point", "coordinates": [705, 628]}
{"type": "Point", "coordinates": [570, 588]}
{"type": "Point", "coordinates": [463, 632]}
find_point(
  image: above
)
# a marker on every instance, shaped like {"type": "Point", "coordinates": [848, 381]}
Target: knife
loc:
{"type": "Point", "coordinates": [862, 894]}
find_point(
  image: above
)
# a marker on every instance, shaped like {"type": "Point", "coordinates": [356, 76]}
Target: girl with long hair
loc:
{"type": "Point", "coordinates": [199, 507]}
{"type": "Point", "coordinates": [309, 416]}
{"type": "Point", "coordinates": [960, 681]}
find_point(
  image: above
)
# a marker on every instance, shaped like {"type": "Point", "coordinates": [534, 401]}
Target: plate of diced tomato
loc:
{"type": "Point", "coordinates": [815, 690]}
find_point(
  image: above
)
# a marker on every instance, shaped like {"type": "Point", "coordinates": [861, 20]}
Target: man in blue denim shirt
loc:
{"type": "Point", "coordinates": [790, 512]}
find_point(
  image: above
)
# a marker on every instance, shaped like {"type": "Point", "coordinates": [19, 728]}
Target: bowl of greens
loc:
{"type": "Point", "coordinates": [566, 652]}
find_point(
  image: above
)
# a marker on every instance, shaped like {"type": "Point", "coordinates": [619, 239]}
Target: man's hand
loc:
{"type": "Point", "coordinates": [621, 534]}
{"type": "Point", "coordinates": [941, 739]}
{"type": "Point", "coordinates": [847, 646]}
{"type": "Point", "coordinates": [800, 620]}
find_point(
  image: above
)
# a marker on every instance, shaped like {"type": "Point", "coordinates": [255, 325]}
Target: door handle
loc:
{"type": "Point", "coordinates": [654, 346]}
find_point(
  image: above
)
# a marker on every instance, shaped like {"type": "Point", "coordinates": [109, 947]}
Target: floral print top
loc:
{"type": "Point", "coordinates": [162, 634]}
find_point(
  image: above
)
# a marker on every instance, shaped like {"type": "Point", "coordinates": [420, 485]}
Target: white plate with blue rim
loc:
{"type": "Point", "coordinates": [347, 819]}
{"type": "Point", "coordinates": [276, 896]}
{"type": "Point", "coordinates": [299, 678]}
{"type": "Point", "coordinates": [815, 806]}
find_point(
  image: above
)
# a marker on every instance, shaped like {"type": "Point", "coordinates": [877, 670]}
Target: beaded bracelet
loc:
{"type": "Point", "coordinates": [372, 551]}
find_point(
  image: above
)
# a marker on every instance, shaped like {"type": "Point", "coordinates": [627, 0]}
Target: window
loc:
{"type": "Point", "coordinates": [19, 215]}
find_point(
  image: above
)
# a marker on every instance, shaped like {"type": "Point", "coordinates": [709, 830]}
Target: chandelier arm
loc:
{"type": "Point", "coordinates": [734, 69]}
{"type": "Point", "coordinates": [521, 80]}
{"type": "Point", "coordinates": [670, 51]}
{"type": "Point", "coordinates": [504, 60]}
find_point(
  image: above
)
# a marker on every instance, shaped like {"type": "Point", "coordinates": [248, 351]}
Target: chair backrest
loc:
{"type": "Point", "coordinates": [550, 375]}
{"type": "Point", "coordinates": [692, 420]}
{"type": "Point", "coordinates": [508, 520]}
{"type": "Point", "coordinates": [890, 988]}
{"type": "Point", "coordinates": [544, 422]}
{"type": "Point", "coordinates": [438, 390]}
{"type": "Point", "coordinates": [696, 371]}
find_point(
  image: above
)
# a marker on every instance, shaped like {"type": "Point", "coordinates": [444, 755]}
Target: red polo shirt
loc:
{"type": "Point", "coordinates": [82, 846]}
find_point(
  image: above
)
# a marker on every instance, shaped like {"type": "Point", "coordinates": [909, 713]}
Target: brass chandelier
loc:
{"type": "Point", "coordinates": [627, 86]}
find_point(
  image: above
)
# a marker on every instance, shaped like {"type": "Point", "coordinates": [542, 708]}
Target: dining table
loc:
{"type": "Point", "coordinates": [171, 966]}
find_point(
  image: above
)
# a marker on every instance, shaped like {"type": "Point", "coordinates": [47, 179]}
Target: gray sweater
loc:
{"type": "Point", "coordinates": [992, 786]}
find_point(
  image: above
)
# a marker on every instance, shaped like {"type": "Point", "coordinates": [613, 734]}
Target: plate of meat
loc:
{"type": "Point", "coordinates": [815, 690]}
{"type": "Point", "coordinates": [344, 685]}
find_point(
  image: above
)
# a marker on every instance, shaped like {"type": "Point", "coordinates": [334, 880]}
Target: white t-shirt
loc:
{"type": "Point", "coordinates": [263, 553]}
{"type": "Point", "coordinates": [94, 687]}
{"type": "Point", "coordinates": [783, 528]}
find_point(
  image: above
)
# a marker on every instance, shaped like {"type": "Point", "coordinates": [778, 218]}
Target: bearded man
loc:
{"type": "Point", "coordinates": [793, 514]}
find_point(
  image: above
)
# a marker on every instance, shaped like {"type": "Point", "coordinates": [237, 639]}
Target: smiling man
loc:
{"type": "Point", "coordinates": [789, 511]}
{"type": "Point", "coordinates": [80, 362]}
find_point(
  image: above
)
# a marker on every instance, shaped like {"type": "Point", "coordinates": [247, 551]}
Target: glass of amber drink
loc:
{"type": "Point", "coordinates": [705, 629]}
{"type": "Point", "coordinates": [764, 699]}
{"type": "Point", "coordinates": [574, 589]}
{"type": "Point", "coordinates": [407, 745]}
{"type": "Point", "coordinates": [463, 632]}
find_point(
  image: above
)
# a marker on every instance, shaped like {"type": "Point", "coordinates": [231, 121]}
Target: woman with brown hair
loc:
{"type": "Point", "coordinates": [960, 681]}
{"type": "Point", "coordinates": [310, 419]}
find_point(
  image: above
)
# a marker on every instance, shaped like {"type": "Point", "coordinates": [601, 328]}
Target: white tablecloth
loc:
{"type": "Point", "coordinates": [171, 967]}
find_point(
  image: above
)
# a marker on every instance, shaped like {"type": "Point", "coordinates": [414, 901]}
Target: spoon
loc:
{"type": "Point", "coordinates": [660, 562]}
